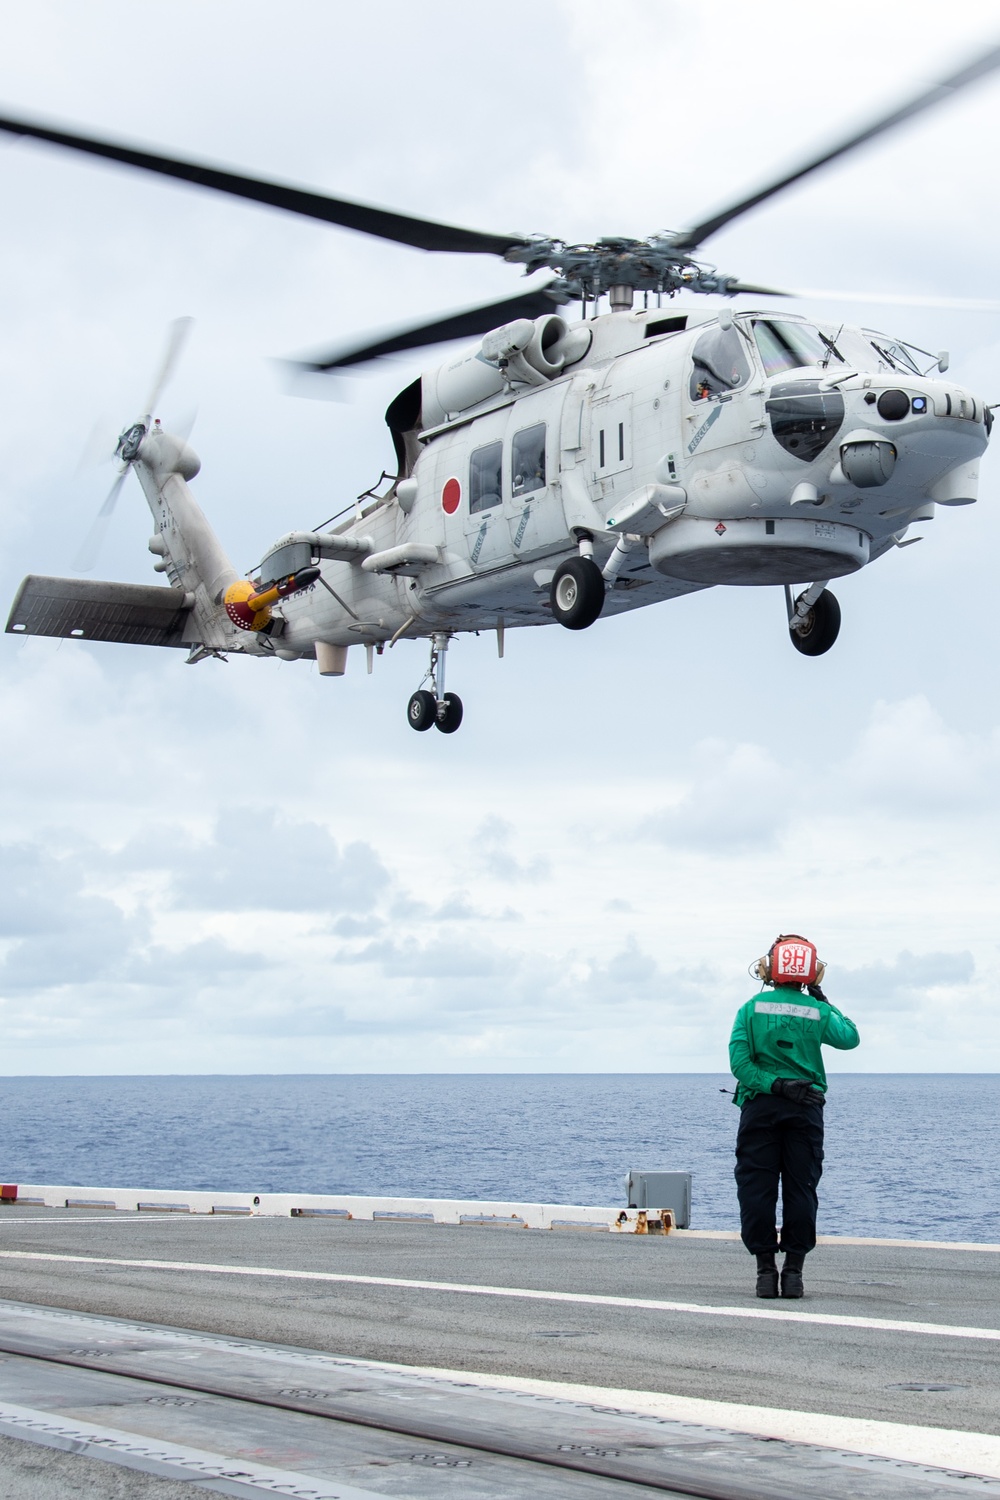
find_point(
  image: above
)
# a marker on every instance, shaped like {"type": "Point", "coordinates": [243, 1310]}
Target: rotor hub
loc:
{"type": "Point", "coordinates": [130, 442]}
{"type": "Point", "coordinates": [652, 265]}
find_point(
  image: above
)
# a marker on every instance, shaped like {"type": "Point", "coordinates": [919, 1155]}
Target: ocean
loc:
{"type": "Point", "coordinates": [909, 1156]}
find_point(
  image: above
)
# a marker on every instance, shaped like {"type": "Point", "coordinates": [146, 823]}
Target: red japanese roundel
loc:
{"type": "Point", "coordinates": [793, 961]}
{"type": "Point", "coordinates": [451, 496]}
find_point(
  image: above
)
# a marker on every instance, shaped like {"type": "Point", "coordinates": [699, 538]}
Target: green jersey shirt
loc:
{"type": "Point", "coordinates": [779, 1034]}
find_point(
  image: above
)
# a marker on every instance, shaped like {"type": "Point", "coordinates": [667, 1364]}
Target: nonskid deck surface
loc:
{"type": "Point", "coordinates": [644, 1356]}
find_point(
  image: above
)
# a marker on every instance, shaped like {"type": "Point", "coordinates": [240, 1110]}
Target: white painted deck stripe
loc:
{"type": "Point", "coordinates": [529, 1294]}
{"type": "Point", "coordinates": [115, 1218]}
{"type": "Point", "coordinates": [851, 1239]}
{"type": "Point", "coordinates": [937, 1447]}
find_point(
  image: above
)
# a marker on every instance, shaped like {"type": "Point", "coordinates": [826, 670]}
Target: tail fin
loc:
{"type": "Point", "coordinates": [188, 551]}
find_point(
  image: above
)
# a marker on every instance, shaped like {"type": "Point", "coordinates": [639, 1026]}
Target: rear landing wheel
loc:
{"type": "Point", "coordinates": [421, 711]}
{"type": "Point", "coordinates": [820, 628]}
{"type": "Point", "coordinates": [449, 713]}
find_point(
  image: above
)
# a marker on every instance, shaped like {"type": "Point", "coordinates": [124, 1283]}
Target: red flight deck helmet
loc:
{"type": "Point", "coordinates": [792, 959]}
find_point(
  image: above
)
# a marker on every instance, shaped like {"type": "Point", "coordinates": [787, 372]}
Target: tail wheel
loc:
{"type": "Point", "coordinates": [817, 632]}
{"type": "Point", "coordinates": [449, 714]}
{"type": "Point", "coordinates": [421, 711]}
{"type": "Point", "coordinates": [577, 593]}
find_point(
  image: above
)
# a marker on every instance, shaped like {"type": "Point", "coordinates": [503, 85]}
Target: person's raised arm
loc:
{"type": "Point", "coordinates": [839, 1031]}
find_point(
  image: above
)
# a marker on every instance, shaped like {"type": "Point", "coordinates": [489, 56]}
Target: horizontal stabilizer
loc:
{"type": "Point", "coordinates": [135, 614]}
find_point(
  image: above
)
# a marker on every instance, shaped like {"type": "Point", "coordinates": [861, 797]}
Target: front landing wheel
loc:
{"type": "Point", "coordinates": [421, 711]}
{"type": "Point", "coordinates": [817, 632]}
{"type": "Point", "coordinates": [449, 713]}
{"type": "Point", "coordinates": [577, 593]}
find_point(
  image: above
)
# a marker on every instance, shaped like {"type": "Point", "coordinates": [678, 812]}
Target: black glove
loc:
{"type": "Point", "coordinates": [798, 1091]}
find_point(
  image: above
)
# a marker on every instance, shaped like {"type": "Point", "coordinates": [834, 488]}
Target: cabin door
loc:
{"type": "Point", "coordinates": [532, 502]}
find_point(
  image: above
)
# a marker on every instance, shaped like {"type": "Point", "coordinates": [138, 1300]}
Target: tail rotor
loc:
{"type": "Point", "coordinates": [130, 443]}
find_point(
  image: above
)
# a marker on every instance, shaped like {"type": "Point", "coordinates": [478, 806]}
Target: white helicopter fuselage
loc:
{"type": "Point", "coordinates": [634, 457]}
{"type": "Point", "coordinates": [782, 477]}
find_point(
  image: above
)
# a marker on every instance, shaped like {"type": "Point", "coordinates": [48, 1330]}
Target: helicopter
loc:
{"type": "Point", "coordinates": [558, 471]}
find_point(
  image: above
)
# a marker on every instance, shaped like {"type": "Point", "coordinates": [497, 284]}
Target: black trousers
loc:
{"type": "Point", "coordinates": [778, 1141]}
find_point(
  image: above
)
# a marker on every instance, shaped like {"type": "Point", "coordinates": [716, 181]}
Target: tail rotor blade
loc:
{"type": "Point", "coordinates": [180, 330]}
{"type": "Point", "coordinates": [99, 447]}
{"type": "Point", "coordinates": [181, 424]}
{"type": "Point", "coordinates": [90, 548]}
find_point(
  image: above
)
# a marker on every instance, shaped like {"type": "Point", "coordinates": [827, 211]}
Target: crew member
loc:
{"type": "Point", "coordinates": [775, 1054]}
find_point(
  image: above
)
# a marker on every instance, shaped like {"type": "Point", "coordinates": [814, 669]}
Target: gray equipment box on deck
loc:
{"type": "Point", "coordinates": [655, 1190]}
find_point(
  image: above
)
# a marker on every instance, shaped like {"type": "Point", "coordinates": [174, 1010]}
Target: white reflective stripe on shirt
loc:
{"type": "Point", "coordinates": [779, 1008]}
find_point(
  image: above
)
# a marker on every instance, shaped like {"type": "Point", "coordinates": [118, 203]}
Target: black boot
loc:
{"type": "Point", "coordinates": [767, 1275]}
{"type": "Point", "coordinates": [791, 1275]}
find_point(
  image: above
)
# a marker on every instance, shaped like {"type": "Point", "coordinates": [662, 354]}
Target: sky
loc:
{"type": "Point", "coordinates": [244, 868]}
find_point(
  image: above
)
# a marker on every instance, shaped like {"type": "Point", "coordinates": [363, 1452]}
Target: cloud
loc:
{"type": "Point", "coordinates": [737, 799]}
{"type": "Point", "coordinates": [495, 860]}
{"type": "Point", "coordinates": [909, 758]}
{"type": "Point", "coordinates": [439, 959]}
{"type": "Point", "coordinates": [258, 860]}
{"type": "Point", "coordinates": [910, 979]}
{"type": "Point", "coordinates": [61, 932]}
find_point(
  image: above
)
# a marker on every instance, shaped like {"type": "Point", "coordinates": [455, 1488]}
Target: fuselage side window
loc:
{"type": "Point", "coordinates": [485, 468]}
{"type": "Point", "coordinates": [528, 460]}
{"type": "Point", "coordinates": [720, 363]}
{"type": "Point", "coordinates": [791, 346]}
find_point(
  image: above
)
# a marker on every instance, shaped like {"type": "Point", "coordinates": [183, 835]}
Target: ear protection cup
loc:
{"type": "Point", "coordinates": [820, 970]}
{"type": "Point", "coordinates": [762, 969]}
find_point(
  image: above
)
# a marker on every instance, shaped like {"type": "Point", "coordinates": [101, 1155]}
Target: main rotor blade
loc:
{"type": "Point", "coordinates": [738, 288]}
{"type": "Point", "coordinates": [939, 92]}
{"type": "Point", "coordinates": [177, 337]}
{"type": "Point", "coordinates": [904, 299]}
{"type": "Point", "coordinates": [90, 547]}
{"type": "Point", "coordinates": [424, 234]}
{"type": "Point", "coordinates": [458, 325]}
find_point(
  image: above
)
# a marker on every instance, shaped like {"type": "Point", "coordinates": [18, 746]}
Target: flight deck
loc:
{"type": "Point", "coordinates": [146, 1353]}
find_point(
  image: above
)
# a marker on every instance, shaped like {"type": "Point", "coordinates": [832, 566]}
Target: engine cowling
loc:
{"type": "Point", "coordinates": [524, 353]}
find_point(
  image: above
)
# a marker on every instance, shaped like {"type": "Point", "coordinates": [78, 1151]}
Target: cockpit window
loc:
{"type": "Point", "coordinates": [792, 346]}
{"type": "Point", "coordinates": [893, 354]}
{"type": "Point", "coordinates": [720, 363]}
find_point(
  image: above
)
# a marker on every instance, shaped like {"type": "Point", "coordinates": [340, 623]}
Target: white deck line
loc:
{"type": "Point", "coordinates": [440, 1210]}
{"type": "Point", "coordinates": [530, 1294]}
{"type": "Point", "coordinates": [937, 1447]}
{"type": "Point", "coordinates": [850, 1239]}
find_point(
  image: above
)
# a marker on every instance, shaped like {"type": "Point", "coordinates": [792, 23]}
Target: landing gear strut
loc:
{"type": "Point", "coordinates": [433, 705]}
{"type": "Point", "coordinates": [813, 619]}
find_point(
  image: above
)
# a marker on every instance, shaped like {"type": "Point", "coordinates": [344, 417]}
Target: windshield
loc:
{"type": "Point", "coordinates": [893, 354]}
{"type": "Point", "coordinates": [792, 346]}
